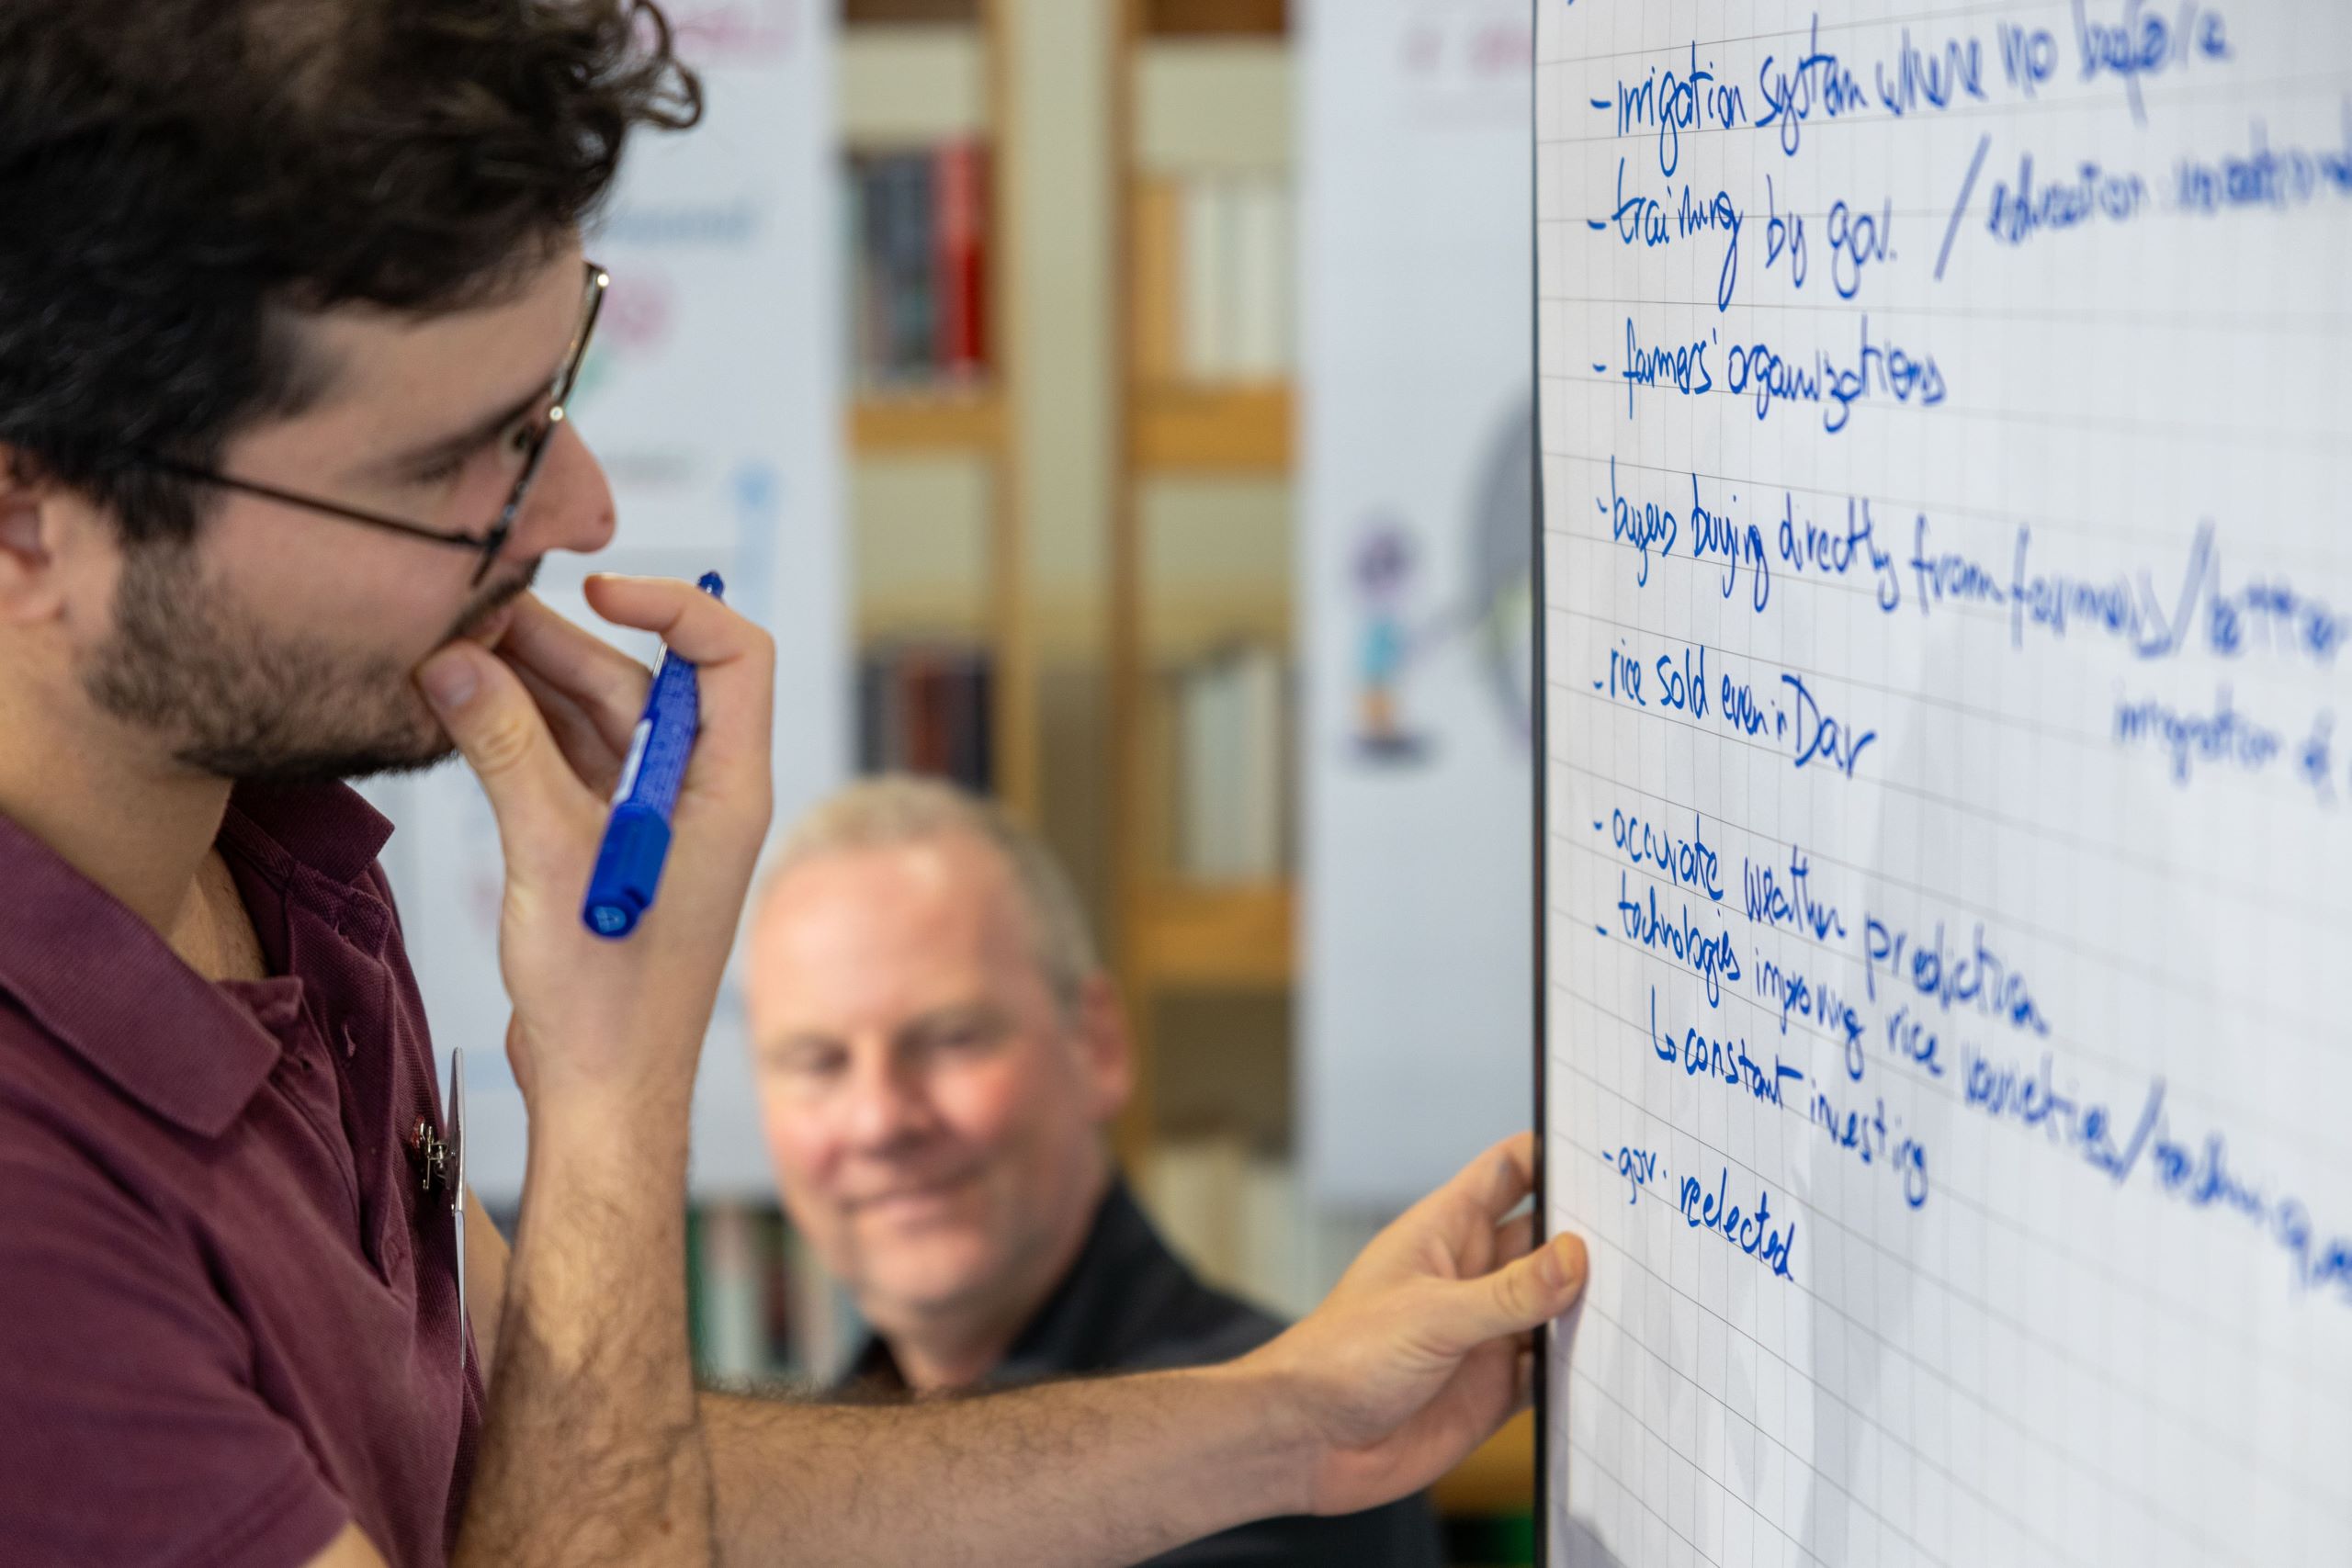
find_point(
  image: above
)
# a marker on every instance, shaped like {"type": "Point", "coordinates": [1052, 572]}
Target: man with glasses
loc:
{"type": "Point", "coordinates": [290, 297]}
{"type": "Point", "coordinates": [519, 434]}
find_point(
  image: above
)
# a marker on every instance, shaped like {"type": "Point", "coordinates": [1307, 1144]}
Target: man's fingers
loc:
{"type": "Point", "coordinates": [1493, 1248]}
{"type": "Point", "coordinates": [700, 627]}
{"type": "Point", "coordinates": [488, 713]}
{"type": "Point", "coordinates": [1491, 1185]}
{"type": "Point", "coordinates": [735, 662]}
{"type": "Point", "coordinates": [1520, 1295]}
{"type": "Point", "coordinates": [606, 685]}
{"type": "Point", "coordinates": [1512, 1176]}
{"type": "Point", "coordinates": [578, 736]}
{"type": "Point", "coordinates": [1513, 1239]}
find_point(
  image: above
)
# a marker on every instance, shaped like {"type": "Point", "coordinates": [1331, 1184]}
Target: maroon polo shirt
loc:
{"type": "Point", "coordinates": [228, 1317]}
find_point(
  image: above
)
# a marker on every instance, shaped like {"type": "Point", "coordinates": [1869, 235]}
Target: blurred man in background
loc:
{"type": "Point", "coordinates": [940, 1054]}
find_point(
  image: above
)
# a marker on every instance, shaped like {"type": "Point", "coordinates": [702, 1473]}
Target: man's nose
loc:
{"type": "Point", "coordinates": [885, 1106]}
{"type": "Point", "coordinates": [570, 504]}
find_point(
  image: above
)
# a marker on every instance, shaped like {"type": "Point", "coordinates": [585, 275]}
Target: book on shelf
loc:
{"type": "Point", "coordinates": [730, 1322]}
{"type": "Point", "coordinates": [760, 1308]}
{"type": "Point", "coordinates": [1238, 1217]}
{"type": "Point", "coordinates": [1234, 770]}
{"type": "Point", "coordinates": [960, 205]}
{"type": "Point", "coordinates": [1159, 274]}
{"type": "Point", "coordinates": [1193, 1188]}
{"type": "Point", "coordinates": [1214, 292]}
{"type": "Point", "coordinates": [924, 709]}
{"type": "Point", "coordinates": [915, 226]}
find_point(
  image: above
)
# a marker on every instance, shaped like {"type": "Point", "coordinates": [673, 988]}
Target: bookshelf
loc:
{"type": "Point", "coordinates": [1231, 938]}
{"type": "Point", "coordinates": [1180, 429]}
{"type": "Point", "coordinates": [1194, 409]}
{"type": "Point", "coordinates": [920, 78]}
{"type": "Point", "coordinates": [883, 426]}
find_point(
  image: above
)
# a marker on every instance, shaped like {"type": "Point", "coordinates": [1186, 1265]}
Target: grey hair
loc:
{"type": "Point", "coordinates": [895, 809]}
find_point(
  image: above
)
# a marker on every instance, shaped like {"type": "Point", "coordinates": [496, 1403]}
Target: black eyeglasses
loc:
{"type": "Point", "coordinates": [534, 452]}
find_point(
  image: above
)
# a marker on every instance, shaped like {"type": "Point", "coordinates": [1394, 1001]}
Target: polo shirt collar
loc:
{"type": "Point", "coordinates": [329, 828]}
{"type": "Point", "coordinates": [106, 984]}
{"type": "Point", "coordinates": [1120, 1282]}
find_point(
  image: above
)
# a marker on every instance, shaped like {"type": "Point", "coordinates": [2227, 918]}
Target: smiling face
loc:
{"type": "Point", "coordinates": [281, 642]}
{"type": "Point", "coordinates": [934, 1110]}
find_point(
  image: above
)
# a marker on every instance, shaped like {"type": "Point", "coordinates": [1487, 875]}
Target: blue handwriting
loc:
{"type": "Point", "coordinates": [2223, 737]}
{"type": "Point", "coordinates": [1874, 1139]}
{"type": "Point", "coordinates": [1796, 994]}
{"type": "Point", "coordinates": [1674, 102]}
{"type": "Point", "coordinates": [2141, 42]}
{"type": "Point", "coordinates": [1688, 861]}
{"type": "Point", "coordinates": [1859, 238]}
{"type": "Point", "coordinates": [1638, 1166]}
{"type": "Point", "coordinates": [2020, 210]}
{"type": "Point", "coordinates": [1763, 372]}
{"type": "Point", "coordinates": [1650, 221]}
{"type": "Point", "coordinates": [1821, 737]}
{"type": "Point", "coordinates": [2278, 178]}
{"type": "Point", "coordinates": [1751, 1232]}
{"type": "Point", "coordinates": [1681, 366]}
{"type": "Point", "coordinates": [1711, 955]}
{"type": "Point", "coordinates": [1790, 905]}
{"type": "Point", "coordinates": [1721, 1061]}
{"type": "Point", "coordinates": [1976, 979]}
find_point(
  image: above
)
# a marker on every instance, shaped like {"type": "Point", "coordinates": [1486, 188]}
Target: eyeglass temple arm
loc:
{"type": "Point", "coordinates": [312, 504]}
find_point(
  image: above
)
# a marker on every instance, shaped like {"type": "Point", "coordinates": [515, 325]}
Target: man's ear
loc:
{"type": "Point", "coordinates": [31, 587]}
{"type": "Point", "coordinates": [1106, 1045]}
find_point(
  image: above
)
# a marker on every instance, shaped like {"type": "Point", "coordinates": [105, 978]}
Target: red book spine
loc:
{"type": "Point", "coordinates": [929, 724]}
{"type": "Point", "coordinates": [976, 270]}
{"type": "Point", "coordinates": [959, 182]}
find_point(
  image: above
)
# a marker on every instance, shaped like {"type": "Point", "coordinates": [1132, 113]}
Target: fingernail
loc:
{"type": "Point", "coordinates": [1551, 1268]}
{"type": "Point", "coordinates": [448, 680]}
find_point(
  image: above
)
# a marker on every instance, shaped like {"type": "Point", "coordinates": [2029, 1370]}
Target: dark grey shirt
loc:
{"type": "Point", "coordinates": [1128, 1305]}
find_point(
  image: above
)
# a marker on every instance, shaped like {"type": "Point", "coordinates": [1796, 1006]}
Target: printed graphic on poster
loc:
{"type": "Point", "coordinates": [1417, 474]}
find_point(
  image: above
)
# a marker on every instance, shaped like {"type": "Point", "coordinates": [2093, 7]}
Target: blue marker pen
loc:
{"type": "Point", "coordinates": [637, 838]}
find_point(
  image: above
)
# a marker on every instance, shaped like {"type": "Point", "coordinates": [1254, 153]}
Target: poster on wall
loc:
{"type": "Point", "coordinates": [710, 397]}
{"type": "Point", "coordinates": [1417, 489]}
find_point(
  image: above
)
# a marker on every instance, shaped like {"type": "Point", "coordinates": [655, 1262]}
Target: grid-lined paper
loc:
{"type": "Point", "coordinates": [1948, 540]}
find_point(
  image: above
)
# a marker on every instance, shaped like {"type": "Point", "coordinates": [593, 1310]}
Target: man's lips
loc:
{"type": "Point", "coordinates": [910, 1193]}
{"type": "Point", "coordinates": [486, 629]}
{"type": "Point", "coordinates": [487, 625]}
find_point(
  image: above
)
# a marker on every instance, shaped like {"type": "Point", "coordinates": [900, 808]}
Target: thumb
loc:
{"type": "Point", "coordinates": [487, 711]}
{"type": "Point", "coordinates": [1519, 1296]}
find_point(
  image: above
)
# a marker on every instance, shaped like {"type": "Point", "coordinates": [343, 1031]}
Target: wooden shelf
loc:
{"type": "Point", "coordinates": [917, 422]}
{"type": "Point", "coordinates": [1497, 1478]}
{"type": "Point", "coordinates": [1244, 429]}
{"type": "Point", "coordinates": [1214, 938]}
{"type": "Point", "coordinates": [1215, 18]}
{"type": "Point", "coordinates": [870, 13]}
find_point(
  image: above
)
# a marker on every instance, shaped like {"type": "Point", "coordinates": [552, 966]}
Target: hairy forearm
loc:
{"type": "Point", "coordinates": [1066, 1476]}
{"type": "Point", "coordinates": [592, 1450]}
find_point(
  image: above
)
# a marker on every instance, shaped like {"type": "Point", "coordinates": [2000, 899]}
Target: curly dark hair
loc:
{"type": "Point", "coordinates": [180, 178]}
